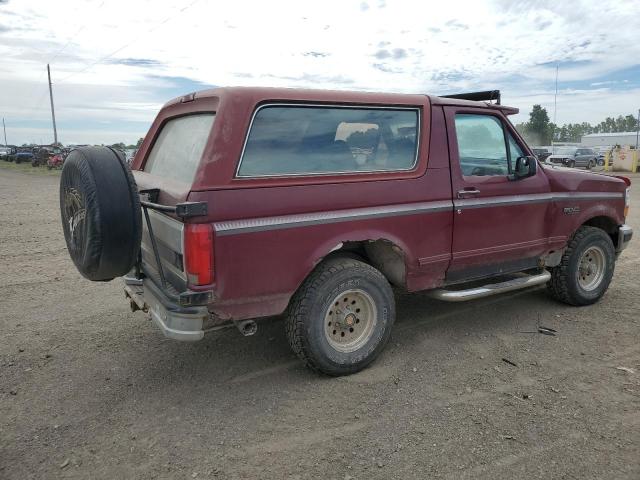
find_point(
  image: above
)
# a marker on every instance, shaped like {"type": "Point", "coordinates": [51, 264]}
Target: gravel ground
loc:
{"type": "Point", "coordinates": [90, 390]}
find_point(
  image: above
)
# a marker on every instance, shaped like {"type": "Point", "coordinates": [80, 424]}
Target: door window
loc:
{"type": "Point", "coordinates": [514, 152]}
{"type": "Point", "coordinates": [481, 145]}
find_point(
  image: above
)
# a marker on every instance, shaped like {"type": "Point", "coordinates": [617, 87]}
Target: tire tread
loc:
{"type": "Point", "coordinates": [558, 286]}
{"type": "Point", "coordinates": [302, 299]}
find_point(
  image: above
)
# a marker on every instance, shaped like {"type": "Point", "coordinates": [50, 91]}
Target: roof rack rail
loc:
{"type": "Point", "coordinates": [486, 96]}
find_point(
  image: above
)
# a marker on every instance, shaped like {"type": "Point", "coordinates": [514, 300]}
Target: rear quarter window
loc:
{"type": "Point", "coordinates": [178, 148]}
{"type": "Point", "coordinates": [317, 140]}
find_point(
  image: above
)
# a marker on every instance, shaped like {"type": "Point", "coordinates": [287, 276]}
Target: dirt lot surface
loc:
{"type": "Point", "coordinates": [90, 390]}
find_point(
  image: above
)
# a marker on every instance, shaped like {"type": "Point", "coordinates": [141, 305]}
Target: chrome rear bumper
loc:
{"type": "Point", "coordinates": [175, 321]}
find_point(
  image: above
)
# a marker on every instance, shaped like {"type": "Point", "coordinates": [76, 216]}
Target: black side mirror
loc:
{"type": "Point", "coordinates": [525, 167]}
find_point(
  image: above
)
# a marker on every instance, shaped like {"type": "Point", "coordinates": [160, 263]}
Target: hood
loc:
{"type": "Point", "coordinates": [572, 180]}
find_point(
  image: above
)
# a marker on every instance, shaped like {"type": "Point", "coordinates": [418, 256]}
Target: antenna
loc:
{"type": "Point", "coordinates": [555, 109]}
{"type": "Point", "coordinates": [637, 131]}
{"type": "Point", "coordinates": [555, 98]}
{"type": "Point", "coordinates": [5, 133]}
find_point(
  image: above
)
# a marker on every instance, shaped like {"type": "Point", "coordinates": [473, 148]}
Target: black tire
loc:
{"type": "Point", "coordinates": [564, 284]}
{"type": "Point", "coordinates": [17, 160]}
{"type": "Point", "coordinates": [101, 214]}
{"type": "Point", "coordinates": [590, 165]}
{"type": "Point", "coordinates": [572, 164]}
{"type": "Point", "coordinates": [307, 314]}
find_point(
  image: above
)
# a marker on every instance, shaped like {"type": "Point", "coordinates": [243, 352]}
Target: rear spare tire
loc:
{"type": "Point", "coordinates": [101, 215]}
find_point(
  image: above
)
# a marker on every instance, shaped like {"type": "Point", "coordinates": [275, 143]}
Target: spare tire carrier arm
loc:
{"type": "Point", "coordinates": [148, 199]}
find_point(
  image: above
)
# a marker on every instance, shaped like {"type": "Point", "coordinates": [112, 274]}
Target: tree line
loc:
{"type": "Point", "coordinates": [123, 146]}
{"type": "Point", "coordinates": [539, 130]}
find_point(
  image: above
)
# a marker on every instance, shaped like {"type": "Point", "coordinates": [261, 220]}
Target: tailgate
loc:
{"type": "Point", "coordinates": [166, 176]}
{"type": "Point", "coordinates": [169, 235]}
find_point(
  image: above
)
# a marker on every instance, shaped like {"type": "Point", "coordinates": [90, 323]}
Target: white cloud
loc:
{"type": "Point", "coordinates": [403, 46]}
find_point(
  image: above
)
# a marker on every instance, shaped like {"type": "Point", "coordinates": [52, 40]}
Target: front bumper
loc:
{"type": "Point", "coordinates": [175, 321]}
{"type": "Point", "coordinates": [556, 161]}
{"type": "Point", "coordinates": [625, 233]}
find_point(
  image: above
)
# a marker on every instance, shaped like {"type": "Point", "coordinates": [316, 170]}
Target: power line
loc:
{"type": "Point", "coordinates": [119, 49]}
{"type": "Point", "coordinates": [45, 55]}
{"type": "Point", "coordinates": [73, 37]}
{"type": "Point", "coordinates": [38, 103]}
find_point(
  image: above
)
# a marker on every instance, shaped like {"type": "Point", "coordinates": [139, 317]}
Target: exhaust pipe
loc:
{"type": "Point", "coordinates": [247, 327]}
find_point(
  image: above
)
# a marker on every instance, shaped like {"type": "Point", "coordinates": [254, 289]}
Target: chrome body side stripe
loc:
{"type": "Point", "coordinates": [533, 198]}
{"type": "Point", "coordinates": [317, 218]}
{"type": "Point", "coordinates": [232, 227]}
{"type": "Point", "coordinates": [502, 200]}
{"type": "Point", "coordinates": [587, 195]}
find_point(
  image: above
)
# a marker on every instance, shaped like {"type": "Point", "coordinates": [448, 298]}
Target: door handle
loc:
{"type": "Point", "coordinates": [468, 192]}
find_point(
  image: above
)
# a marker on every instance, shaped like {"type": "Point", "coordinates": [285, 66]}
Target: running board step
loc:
{"type": "Point", "coordinates": [490, 289]}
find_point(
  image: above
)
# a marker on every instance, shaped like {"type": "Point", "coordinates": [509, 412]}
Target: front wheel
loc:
{"type": "Point", "coordinates": [586, 268]}
{"type": "Point", "coordinates": [341, 318]}
{"type": "Point", "coordinates": [572, 164]}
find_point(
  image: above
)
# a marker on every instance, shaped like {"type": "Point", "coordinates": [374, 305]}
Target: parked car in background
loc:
{"type": "Point", "coordinates": [42, 155]}
{"type": "Point", "coordinates": [56, 161]}
{"type": "Point", "coordinates": [541, 153]}
{"type": "Point", "coordinates": [23, 155]}
{"type": "Point", "coordinates": [574, 157]}
{"type": "Point", "coordinates": [5, 152]}
{"type": "Point", "coordinates": [252, 202]}
{"type": "Point", "coordinates": [10, 153]}
{"type": "Point", "coordinates": [601, 153]}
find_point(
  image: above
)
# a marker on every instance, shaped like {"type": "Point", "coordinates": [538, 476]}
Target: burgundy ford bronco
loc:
{"type": "Point", "coordinates": [251, 202]}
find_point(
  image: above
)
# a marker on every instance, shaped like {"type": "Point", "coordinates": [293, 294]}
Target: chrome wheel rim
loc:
{"type": "Point", "coordinates": [591, 268]}
{"type": "Point", "coordinates": [350, 320]}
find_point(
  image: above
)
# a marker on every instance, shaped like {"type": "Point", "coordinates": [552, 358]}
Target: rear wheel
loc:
{"type": "Point", "coordinates": [591, 164]}
{"type": "Point", "coordinates": [341, 318]}
{"type": "Point", "coordinates": [586, 269]}
{"type": "Point", "coordinates": [571, 164]}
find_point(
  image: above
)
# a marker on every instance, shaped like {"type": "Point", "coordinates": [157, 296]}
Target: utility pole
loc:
{"type": "Point", "coordinates": [53, 114]}
{"type": "Point", "coordinates": [5, 133]}
{"type": "Point", "coordinates": [637, 131]}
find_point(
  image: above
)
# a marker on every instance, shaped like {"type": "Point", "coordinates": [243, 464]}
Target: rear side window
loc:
{"type": "Point", "coordinates": [178, 149]}
{"type": "Point", "coordinates": [308, 140]}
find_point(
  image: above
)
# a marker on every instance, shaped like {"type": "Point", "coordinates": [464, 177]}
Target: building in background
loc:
{"type": "Point", "coordinates": [609, 139]}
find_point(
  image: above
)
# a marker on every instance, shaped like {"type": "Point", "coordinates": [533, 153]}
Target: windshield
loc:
{"type": "Point", "coordinates": [565, 150]}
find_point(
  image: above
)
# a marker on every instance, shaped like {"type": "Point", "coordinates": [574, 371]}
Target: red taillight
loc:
{"type": "Point", "coordinates": [198, 253]}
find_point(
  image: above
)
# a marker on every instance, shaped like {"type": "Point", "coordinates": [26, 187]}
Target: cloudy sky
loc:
{"type": "Point", "coordinates": [115, 62]}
